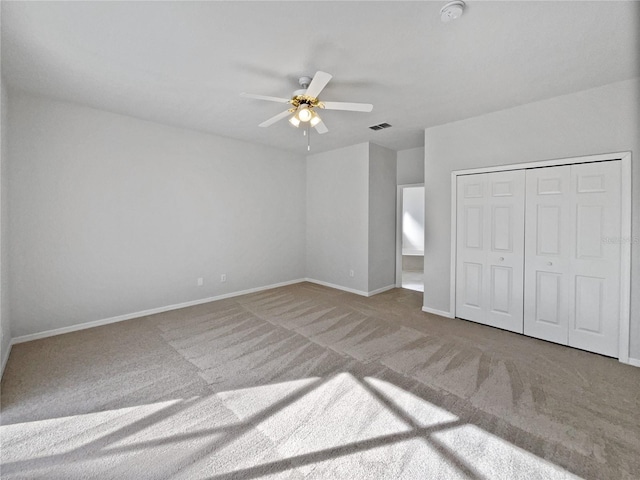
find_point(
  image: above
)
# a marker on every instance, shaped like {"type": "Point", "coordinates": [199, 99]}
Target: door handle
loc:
{"type": "Point", "coordinates": [549, 263]}
{"type": "Point", "coordinates": [502, 259]}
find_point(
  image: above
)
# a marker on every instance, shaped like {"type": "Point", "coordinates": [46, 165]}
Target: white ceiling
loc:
{"type": "Point", "coordinates": [185, 63]}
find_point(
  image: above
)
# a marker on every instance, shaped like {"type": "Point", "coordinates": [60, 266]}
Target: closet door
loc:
{"type": "Point", "coordinates": [471, 248]}
{"type": "Point", "coordinates": [572, 266]}
{"type": "Point", "coordinates": [490, 249]}
{"type": "Point", "coordinates": [594, 295]}
{"type": "Point", "coordinates": [548, 250]}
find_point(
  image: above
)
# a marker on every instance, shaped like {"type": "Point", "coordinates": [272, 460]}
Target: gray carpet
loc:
{"type": "Point", "coordinates": [310, 382]}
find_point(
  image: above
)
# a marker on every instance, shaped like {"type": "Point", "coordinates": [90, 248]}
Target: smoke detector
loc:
{"type": "Point", "coordinates": [451, 11]}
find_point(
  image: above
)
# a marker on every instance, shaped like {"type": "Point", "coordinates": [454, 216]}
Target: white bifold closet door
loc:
{"type": "Point", "coordinates": [572, 266]}
{"type": "Point", "coordinates": [548, 253]}
{"type": "Point", "coordinates": [490, 249]}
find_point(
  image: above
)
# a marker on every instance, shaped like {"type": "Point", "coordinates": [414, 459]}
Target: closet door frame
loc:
{"type": "Point", "coordinates": [625, 231]}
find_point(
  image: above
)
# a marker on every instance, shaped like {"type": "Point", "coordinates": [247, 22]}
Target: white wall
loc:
{"type": "Point", "coordinates": [337, 216]}
{"type": "Point", "coordinates": [351, 217]}
{"type": "Point", "coordinates": [410, 166]}
{"type": "Point", "coordinates": [600, 120]}
{"type": "Point", "coordinates": [413, 221]}
{"type": "Point", "coordinates": [5, 320]}
{"type": "Point", "coordinates": [112, 215]}
{"type": "Point", "coordinates": [382, 217]}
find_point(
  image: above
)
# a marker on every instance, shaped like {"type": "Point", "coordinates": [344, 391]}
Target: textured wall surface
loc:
{"type": "Point", "coordinates": [410, 166]}
{"type": "Point", "coordinates": [382, 217]}
{"type": "Point", "coordinates": [5, 319]}
{"type": "Point", "coordinates": [337, 216]}
{"type": "Point", "coordinates": [112, 215]}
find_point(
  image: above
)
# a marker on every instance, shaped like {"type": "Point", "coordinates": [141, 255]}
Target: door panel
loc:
{"type": "Point", "coordinates": [590, 183]}
{"type": "Point", "coordinates": [472, 292]}
{"type": "Point", "coordinates": [572, 275]}
{"type": "Point", "coordinates": [473, 229]}
{"type": "Point", "coordinates": [548, 298]}
{"type": "Point", "coordinates": [502, 189]}
{"type": "Point", "coordinates": [474, 188]}
{"type": "Point", "coordinates": [550, 184]}
{"type": "Point", "coordinates": [547, 253]}
{"type": "Point", "coordinates": [589, 304]}
{"type": "Point", "coordinates": [490, 248]}
{"type": "Point", "coordinates": [501, 289]}
{"type": "Point", "coordinates": [505, 258]}
{"type": "Point", "coordinates": [548, 225]}
{"type": "Point", "coordinates": [470, 248]}
{"type": "Point", "coordinates": [502, 229]}
{"type": "Point", "coordinates": [590, 223]}
{"type": "Point", "coordinates": [594, 298]}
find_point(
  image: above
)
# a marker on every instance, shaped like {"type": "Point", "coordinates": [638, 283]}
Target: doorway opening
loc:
{"type": "Point", "coordinates": [410, 237]}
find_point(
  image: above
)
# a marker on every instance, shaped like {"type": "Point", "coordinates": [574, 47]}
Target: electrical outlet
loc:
{"type": "Point", "coordinates": [351, 273]}
{"type": "Point", "coordinates": [223, 278]}
{"type": "Point", "coordinates": [200, 281]}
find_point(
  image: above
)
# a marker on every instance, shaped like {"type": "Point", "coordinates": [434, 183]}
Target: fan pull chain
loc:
{"type": "Point", "coordinates": [308, 140]}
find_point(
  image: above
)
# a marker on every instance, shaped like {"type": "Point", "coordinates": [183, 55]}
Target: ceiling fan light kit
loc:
{"type": "Point", "coordinates": [315, 119]}
{"type": "Point", "coordinates": [304, 114]}
{"type": "Point", "coordinates": [294, 121]}
{"type": "Point", "coordinates": [304, 102]}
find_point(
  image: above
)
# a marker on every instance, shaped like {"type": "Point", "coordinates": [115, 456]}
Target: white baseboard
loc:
{"type": "Point", "coordinates": [337, 287]}
{"type": "Point", "coordinates": [633, 361]}
{"type": "Point", "coordinates": [144, 313]}
{"type": "Point", "coordinates": [380, 290]}
{"type": "Point", "coordinates": [82, 326]}
{"type": "Point", "coordinates": [5, 357]}
{"type": "Point", "coordinates": [350, 290]}
{"type": "Point", "coordinates": [441, 313]}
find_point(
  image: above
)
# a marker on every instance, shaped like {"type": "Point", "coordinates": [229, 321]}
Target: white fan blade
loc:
{"type": "Point", "coordinates": [273, 120]}
{"type": "Point", "coordinates": [265, 97]}
{"type": "Point", "coordinates": [353, 107]}
{"type": "Point", "coordinates": [320, 80]}
{"type": "Point", "coordinates": [321, 128]}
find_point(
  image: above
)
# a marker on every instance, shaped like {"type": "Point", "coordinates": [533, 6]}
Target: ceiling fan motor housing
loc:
{"type": "Point", "coordinates": [304, 100]}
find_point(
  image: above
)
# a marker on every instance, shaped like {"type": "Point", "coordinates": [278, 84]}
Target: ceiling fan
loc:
{"type": "Point", "coordinates": [304, 103]}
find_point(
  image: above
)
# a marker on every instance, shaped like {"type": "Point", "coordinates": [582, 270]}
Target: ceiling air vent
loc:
{"type": "Point", "coordinates": [380, 126]}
